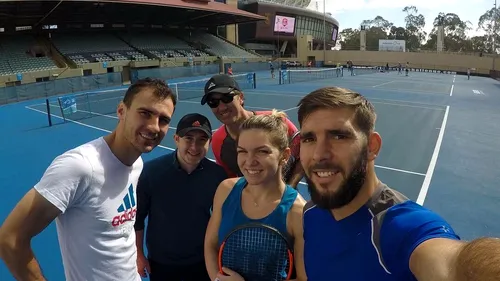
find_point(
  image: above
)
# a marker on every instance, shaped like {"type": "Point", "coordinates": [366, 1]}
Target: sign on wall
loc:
{"type": "Point", "coordinates": [391, 45]}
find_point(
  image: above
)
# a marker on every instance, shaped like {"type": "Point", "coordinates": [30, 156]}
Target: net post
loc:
{"type": "Point", "coordinates": [279, 77]}
{"type": "Point", "coordinates": [177, 92]}
{"type": "Point", "coordinates": [88, 103]}
{"type": "Point", "coordinates": [61, 108]}
{"type": "Point", "coordinates": [48, 112]}
{"type": "Point", "coordinates": [255, 80]}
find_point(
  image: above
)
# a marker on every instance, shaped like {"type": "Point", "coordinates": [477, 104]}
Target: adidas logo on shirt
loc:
{"type": "Point", "coordinates": [127, 209]}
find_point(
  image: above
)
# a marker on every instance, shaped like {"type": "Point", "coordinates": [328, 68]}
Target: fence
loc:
{"type": "Point", "coordinates": [59, 86]}
{"type": "Point", "coordinates": [240, 67]}
{"type": "Point", "coordinates": [89, 83]}
{"type": "Point", "coordinates": [175, 72]}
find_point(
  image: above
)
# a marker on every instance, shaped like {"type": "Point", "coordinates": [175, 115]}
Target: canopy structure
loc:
{"type": "Point", "coordinates": [199, 13]}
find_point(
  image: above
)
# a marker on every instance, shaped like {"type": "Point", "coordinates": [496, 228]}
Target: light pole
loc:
{"type": "Point", "coordinates": [495, 18]}
{"type": "Point", "coordinates": [324, 32]}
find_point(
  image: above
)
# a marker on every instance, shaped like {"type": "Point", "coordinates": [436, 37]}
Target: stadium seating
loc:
{"type": "Point", "coordinates": [95, 47]}
{"type": "Point", "coordinates": [162, 45]}
{"type": "Point", "coordinates": [218, 46]}
{"type": "Point", "coordinates": [15, 56]}
{"type": "Point", "coordinates": [262, 49]}
{"type": "Point", "coordinates": [16, 52]}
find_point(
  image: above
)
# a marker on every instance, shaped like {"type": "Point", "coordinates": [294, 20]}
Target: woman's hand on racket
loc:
{"type": "Point", "coordinates": [231, 275]}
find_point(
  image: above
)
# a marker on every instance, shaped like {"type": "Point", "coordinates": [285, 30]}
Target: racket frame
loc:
{"type": "Point", "coordinates": [289, 172]}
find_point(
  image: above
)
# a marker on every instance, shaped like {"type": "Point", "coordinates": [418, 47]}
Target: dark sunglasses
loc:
{"type": "Point", "coordinates": [227, 98]}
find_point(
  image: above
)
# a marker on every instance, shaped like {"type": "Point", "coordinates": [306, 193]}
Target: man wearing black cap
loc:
{"type": "Point", "coordinates": [224, 96]}
{"type": "Point", "coordinates": [175, 192]}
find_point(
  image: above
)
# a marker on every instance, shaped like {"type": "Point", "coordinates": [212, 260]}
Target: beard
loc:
{"type": "Point", "coordinates": [349, 187]}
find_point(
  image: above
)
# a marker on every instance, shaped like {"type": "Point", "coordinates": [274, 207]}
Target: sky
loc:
{"type": "Point", "coordinates": [350, 13]}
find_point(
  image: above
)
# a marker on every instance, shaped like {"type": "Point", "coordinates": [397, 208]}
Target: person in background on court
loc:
{"type": "Point", "coordinates": [355, 219]}
{"type": "Point", "coordinates": [339, 70]}
{"type": "Point", "coordinates": [176, 192]}
{"type": "Point", "coordinates": [260, 194]}
{"type": "Point", "coordinates": [90, 191]}
{"type": "Point", "coordinates": [468, 73]}
{"type": "Point", "coordinates": [271, 67]}
{"type": "Point", "coordinates": [224, 96]}
{"type": "Point", "coordinates": [407, 68]}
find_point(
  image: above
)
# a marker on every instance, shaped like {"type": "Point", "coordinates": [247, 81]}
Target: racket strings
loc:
{"type": "Point", "coordinates": [257, 254]}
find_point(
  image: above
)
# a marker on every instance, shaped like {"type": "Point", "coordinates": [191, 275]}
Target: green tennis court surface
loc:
{"type": "Point", "coordinates": [440, 137]}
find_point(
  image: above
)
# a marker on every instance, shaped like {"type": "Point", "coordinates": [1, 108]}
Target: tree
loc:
{"type": "Point", "coordinates": [373, 35]}
{"type": "Point", "coordinates": [455, 33]}
{"type": "Point", "coordinates": [376, 29]}
{"type": "Point", "coordinates": [397, 33]}
{"type": "Point", "coordinates": [489, 22]}
{"type": "Point", "coordinates": [378, 22]}
{"type": "Point", "coordinates": [349, 39]}
{"type": "Point", "coordinates": [415, 24]}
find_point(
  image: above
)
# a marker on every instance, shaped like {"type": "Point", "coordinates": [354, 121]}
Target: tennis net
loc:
{"type": "Point", "coordinates": [195, 89]}
{"type": "Point", "coordinates": [291, 76]}
{"type": "Point", "coordinates": [104, 103]}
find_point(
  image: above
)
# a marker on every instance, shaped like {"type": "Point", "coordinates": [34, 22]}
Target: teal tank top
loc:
{"type": "Point", "coordinates": [233, 216]}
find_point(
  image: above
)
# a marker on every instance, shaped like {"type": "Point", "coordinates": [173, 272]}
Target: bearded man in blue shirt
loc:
{"type": "Point", "coordinates": [356, 228]}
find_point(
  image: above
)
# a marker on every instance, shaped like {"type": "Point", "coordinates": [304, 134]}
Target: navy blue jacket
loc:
{"type": "Point", "coordinates": [177, 205]}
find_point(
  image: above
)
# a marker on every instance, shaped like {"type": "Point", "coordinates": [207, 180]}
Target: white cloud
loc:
{"type": "Point", "coordinates": [335, 6]}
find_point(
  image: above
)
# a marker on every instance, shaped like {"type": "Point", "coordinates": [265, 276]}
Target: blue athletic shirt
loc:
{"type": "Point", "coordinates": [375, 243]}
{"type": "Point", "coordinates": [233, 216]}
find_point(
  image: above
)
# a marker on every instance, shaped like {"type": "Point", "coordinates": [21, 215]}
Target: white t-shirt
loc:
{"type": "Point", "coordinates": [96, 194]}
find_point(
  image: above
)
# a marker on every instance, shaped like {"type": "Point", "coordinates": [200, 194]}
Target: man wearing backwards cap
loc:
{"type": "Point", "coordinates": [224, 96]}
{"type": "Point", "coordinates": [175, 192]}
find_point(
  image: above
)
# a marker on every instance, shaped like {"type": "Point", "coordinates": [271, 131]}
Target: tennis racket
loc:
{"type": "Point", "coordinates": [294, 144]}
{"type": "Point", "coordinates": [257, 252]}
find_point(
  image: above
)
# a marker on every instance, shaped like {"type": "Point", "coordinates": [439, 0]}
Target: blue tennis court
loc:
{"type": "Point", "coordinates": [440, 142]}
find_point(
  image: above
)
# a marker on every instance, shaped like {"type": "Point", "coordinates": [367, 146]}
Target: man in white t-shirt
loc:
{"type": "Point", "coordinates": [90, 191]}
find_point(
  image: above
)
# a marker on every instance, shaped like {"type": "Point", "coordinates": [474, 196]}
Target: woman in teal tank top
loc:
{"type": "Point", "coordinates": [260, 195]}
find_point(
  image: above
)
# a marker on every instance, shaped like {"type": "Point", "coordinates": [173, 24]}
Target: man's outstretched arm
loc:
{"type": "Point", "coordinates": [446, 259]}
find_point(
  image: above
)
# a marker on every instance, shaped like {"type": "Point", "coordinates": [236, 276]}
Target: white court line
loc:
{"type": "Point", "coordinates": [95, 113]}
{"type": "Point", "coordinates": [85, 125]}
{"type": "Point", "coordinates": [290, 109]}
{"type": "Point", "coordinates": [172, 149]}
{"type": "Point", "coordinates": [451, 91]}
{"type": "Point", "coordinates": [254, 107]}
{"type": "Point", "coordinates": [386, 83]}
{"type": "Point", "coordinates": [399, 170]}
{"type": "Point", "coordinates": [375, 102]}
{"type": "Point", "coordinates": [434, 158]}
{"type": "Point", "coordinates": [111, 116]}
{"type": "Point", "coordinates": [180, 101]}
{"type": "Point", "coordinates": [361, 86]}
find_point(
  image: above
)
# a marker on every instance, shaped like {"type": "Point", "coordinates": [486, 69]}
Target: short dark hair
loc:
{"type": "Point", "coordinates": [336, 97]}
{"type": "Point", "coordinates": [159, 86]}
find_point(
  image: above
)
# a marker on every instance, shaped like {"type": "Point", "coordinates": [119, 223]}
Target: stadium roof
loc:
{"type": "Point", "coordinates": [291, 3]}
{"type": "Point", "coordinates": [276, 6]}
{"type": "Point", "coordinates": [190, 13]}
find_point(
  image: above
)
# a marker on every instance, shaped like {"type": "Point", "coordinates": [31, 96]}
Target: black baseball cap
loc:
{"type": "Point", "coordinates": [220, 83]}
{"type": "Point", "coordinates": [193, 121]}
